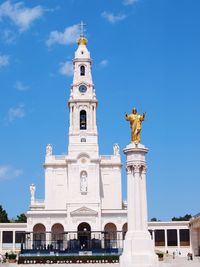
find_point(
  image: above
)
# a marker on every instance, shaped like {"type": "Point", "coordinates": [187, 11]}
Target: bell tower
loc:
{"type": "Point", "coordinates": [83, 135]}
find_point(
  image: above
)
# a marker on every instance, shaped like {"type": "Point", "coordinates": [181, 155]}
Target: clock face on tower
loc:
{"type": "Point", "coordinates": [82, 88]}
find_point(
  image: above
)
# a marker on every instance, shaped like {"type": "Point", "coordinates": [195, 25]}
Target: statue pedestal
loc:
{"type": "Point", "coordinates": [138, 246]}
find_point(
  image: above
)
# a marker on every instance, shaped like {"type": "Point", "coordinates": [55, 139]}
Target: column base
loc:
{"type": "Point", "coordinates": [138, 251]}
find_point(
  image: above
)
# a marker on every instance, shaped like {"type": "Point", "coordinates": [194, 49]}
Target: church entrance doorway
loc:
{"type": "Point", "coordinates": [84, 236]}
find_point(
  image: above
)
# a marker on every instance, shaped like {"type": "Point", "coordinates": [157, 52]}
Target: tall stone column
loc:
{"type": "Point", "coordinates": [138, 246]}
{"type": "Point", "coordinates": [13, 244]}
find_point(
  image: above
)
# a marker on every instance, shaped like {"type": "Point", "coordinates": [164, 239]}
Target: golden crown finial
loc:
{"type": "Point", "coordinates": [82, 40]}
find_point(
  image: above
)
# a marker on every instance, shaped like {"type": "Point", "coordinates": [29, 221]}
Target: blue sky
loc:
{"type": "Point", "coordinates": [145, 54]}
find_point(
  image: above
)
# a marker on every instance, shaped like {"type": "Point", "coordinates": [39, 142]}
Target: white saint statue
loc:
{"type": "Point", "coordinates": [116, 149]}
{"type": "Point", "coordinates": [32, 191]}
{"type": "Point", "coordinates": [49, 150]}
{"type": "Point", "coordinates": [83, 185]}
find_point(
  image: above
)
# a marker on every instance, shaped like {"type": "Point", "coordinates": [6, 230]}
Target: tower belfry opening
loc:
{"type": "Point", "coordinates": [83, 120]}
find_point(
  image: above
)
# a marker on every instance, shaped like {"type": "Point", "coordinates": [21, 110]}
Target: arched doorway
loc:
{"type": "Point", "coordinates": [124, 230]}
{"type": "Point", "coordinates": [84, 236]}
{"type": "Point", "coordinates": [110, 236]}
{"type": "Point", "coordinates": [57, 236]}
{"type": "Point", "coordinates": [39, 236]}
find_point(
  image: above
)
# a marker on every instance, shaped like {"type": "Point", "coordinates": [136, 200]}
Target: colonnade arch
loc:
{"type": "Point", "coordinates": [110, 237]}
{"type": "Point", "coordinates": [39, 236]}
{"type": "Point", "coordinates": [57, 236]}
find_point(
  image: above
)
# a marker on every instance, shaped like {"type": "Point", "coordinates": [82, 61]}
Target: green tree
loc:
{"type": "Point", "coordinates": [187, 217]}
{"type": "Point", "coordinates": [3, 215]}
{"type": "Point", "coordinates": [154, 219]}
{"type": "Point", "coordinates": [21, 218]}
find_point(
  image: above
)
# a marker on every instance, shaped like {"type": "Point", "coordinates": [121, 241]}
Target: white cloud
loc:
{"type": "Point", "coordinates": [129, 2]}
{"type": "Point", "coordinates": [66, 68]}
{"type": "Point", "coordinates": [15, 113]}
{"type": "Point", "coordinates": [113, 18]}
{"type": "Point", "coordinates": [8, 36]}
{"type": "Point", "coordinates": [20, 15]}
{"type": "Point", "coordinates": [69, 36]}
{"type": "Point", "coordinates": [9, 172]}
{"type": "Point", "coordinates": [103, 63]}
{"type": "Point", "coordinates": [4, 60]}
{"type": "Point", "coordinates": [21, 86]}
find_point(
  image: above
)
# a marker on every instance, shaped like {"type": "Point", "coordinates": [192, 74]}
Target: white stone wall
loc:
{"type": "Point", "coordinates": [111, 188]}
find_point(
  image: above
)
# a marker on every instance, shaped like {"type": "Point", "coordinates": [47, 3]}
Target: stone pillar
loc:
{"type": "Point", "coordinates": [178, 238]}
{"type": "Point", "coordinates": [166, 240]}
{"type": "Point", "coordinates": [1, 241]}
{"type": "Point", "coordinates": [153, 237]}
{"type": "Point", "coordinates": [31, 241]}
{"type": "Point", "coordinates": [48, 238]}
{"type": "Point", "coordinates": [138, 246]}
{"type": "Point", "coordinates": [13, 245]}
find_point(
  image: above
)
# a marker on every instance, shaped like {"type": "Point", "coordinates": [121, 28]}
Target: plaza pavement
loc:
{"type": "Point", "coordinates": [178, 262]}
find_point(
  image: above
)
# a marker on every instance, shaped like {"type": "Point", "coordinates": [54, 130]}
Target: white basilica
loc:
{"type": "Point", "coordinates": [82, 189]}
{"type": "Point", "coordinates": [83, 208]}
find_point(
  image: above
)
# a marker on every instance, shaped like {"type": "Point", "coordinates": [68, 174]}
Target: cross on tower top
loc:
{"type": "Point", "coordinates": [82, 30]}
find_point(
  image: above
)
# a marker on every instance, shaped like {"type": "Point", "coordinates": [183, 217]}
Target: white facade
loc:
{"type": "Point", "coordinates": [79, 184]}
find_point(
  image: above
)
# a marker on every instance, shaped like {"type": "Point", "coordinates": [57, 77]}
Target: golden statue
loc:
{"type": "Point", "coordinates": [136, 124]}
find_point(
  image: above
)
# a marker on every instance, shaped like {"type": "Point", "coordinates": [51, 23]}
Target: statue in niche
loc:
{"type": "Point", "coordinates": [32, 191]}
{"type": "Point", "coordinates": [136, 125]}
{"type": "Point", "coordinates": [49, 150]}
{"type": "Point", "coordinates": [116, 149]}
{"type": "Point", "coordinates": [83, 185]}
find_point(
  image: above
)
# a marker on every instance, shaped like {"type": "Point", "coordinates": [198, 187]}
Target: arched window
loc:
{"type": "Point", "coordinates": [83, 120]}
{"type": "Point", "coordinates": [82, 70]}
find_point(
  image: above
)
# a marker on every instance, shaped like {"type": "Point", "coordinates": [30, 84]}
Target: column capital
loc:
{"type": "Point", "coordinates": [129, 169]}
{"type": "Point", "coordinates": [144, 169]}
{"type": "Point", "coordinates": [137, 167]}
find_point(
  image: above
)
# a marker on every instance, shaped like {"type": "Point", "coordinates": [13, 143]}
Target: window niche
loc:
{"type": "Point", "coordinates": [172, 237]}
{"type": "Point", "coordinates": [83, 183]}
{"type": "Point", "coordinates": [184, 237]}
{"type": "Point", "coordinates": [7, 237]}
{"type": "Point", "coordinates": [82, 70]}
{"type": "Point", "coordinates": [83, 120]}
{"type": "Point", "coordinates": [159, 238]}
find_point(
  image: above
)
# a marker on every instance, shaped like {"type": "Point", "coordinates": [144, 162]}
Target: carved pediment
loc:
{"type": "Point", "coordinates": [84, 211]}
